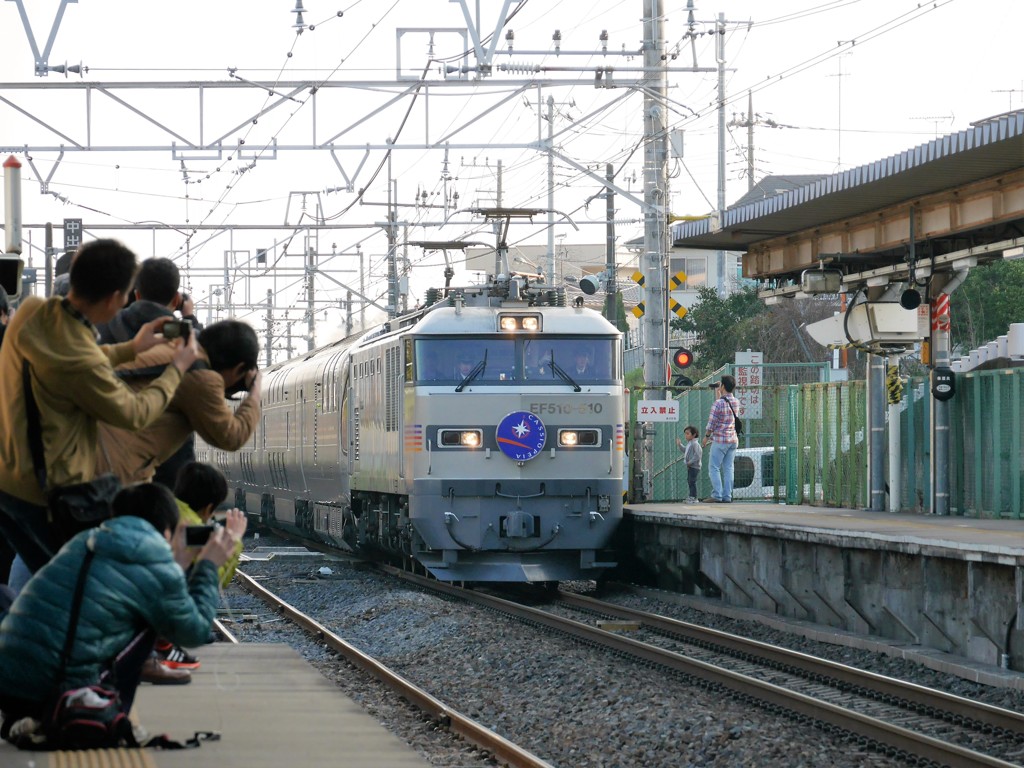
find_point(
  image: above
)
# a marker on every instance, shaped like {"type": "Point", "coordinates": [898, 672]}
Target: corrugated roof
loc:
{"type": "Point", "coordinates": [990, 147]}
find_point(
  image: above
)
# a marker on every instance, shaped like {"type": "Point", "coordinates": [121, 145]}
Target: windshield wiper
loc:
{"type": "Point", "coordinates": [477, 370]}
{"type": "Point", "coordinates": [563, 375]}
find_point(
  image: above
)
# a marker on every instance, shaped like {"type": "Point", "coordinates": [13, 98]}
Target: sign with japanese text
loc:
{"type": "Point", "coordinates": [749, 377]}
{"type": "Point", "coordinates": [657, 410]}
{"type": "Point", "coordinates": [72, 234]}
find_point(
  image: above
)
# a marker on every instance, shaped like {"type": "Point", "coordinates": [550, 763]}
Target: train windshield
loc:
{"type": "Point", "coordinates": [537, 360]}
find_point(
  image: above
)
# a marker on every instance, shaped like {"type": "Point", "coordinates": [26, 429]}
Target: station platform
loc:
{"type": "Point", "coordinates": [270, 707]}
{"type": "Point", "coordinates": [953, 585]}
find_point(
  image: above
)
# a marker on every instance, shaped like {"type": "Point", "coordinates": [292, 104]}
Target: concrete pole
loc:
{"type": "Point", "coordinates": [550, 276]}
{"type": "Point", "coordinates": [270, 328]}
{"type": "Point", "coordinates": [48, 245]}
{"type": "Point", "coordinates": [655, 211]}
{"type": "Point", "coordinates": [750, 141]}
{"type": "Point", "coordinates": [876, 433]}
{"type": "Point", "coordinates": [227, 286]}
{"type": "Point", "coordinates": [310, 298]}
{"type": "Point", "coordinates": [609, 252]}
{"type": "Point", "coordinates": [362, 289]}
{"type": "Point", "coordinates": [720, 59]}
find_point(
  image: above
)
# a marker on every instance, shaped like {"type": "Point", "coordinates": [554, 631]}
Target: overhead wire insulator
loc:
{"type": "Point", "coordinates": [519, 68]}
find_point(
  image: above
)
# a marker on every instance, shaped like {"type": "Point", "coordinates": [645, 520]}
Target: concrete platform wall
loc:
{"type": "Point", "coordinates": [948, 601]}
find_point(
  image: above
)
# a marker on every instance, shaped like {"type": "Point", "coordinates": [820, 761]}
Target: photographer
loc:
{"type": "Point", "coordinates": [75, 388]}
{"type": "Point", "coordinates": [228, 352]}
{"type": "Point", "coordinates": [135, 588]}
{"type": "Point", "coordinates": [156, 295]}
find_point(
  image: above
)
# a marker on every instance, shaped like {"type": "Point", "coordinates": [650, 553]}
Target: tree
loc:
{"type": "Point", "coordinates": [983, 307]}
{"type": "Point", "coordinates": [620, 311]}
{"type": "Point", "coordinates": [741, 321]}
{"type": "Point", "coordinates": [718, 324]}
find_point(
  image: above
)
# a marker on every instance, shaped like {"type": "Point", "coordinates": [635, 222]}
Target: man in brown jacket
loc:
{"type": "Point", "coordinates": [75, 388]}
{"type": "Point", "coordinates": [228, 354]}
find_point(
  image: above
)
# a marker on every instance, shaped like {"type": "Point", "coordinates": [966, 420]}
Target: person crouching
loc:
{"type": "Point", "coordinates": [136, 580]}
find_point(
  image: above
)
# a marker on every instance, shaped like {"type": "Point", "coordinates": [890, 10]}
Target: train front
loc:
{"type": "Point", "coordinates": [516, 437]}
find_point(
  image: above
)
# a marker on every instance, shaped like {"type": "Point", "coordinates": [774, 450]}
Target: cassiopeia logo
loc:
{"type": "Point", "coordinates": [521, 435]}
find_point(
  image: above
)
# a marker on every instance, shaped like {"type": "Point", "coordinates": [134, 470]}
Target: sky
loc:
{"type": "Point", "coordinates": [834, 85]}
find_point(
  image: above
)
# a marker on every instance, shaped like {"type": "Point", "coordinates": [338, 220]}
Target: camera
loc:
{"type": "Point", "coordinates": [198, 535]}
{"type": "Point", "coordinates": [174, 329]}
{"type": "Point", "coordinates": [242, 385]}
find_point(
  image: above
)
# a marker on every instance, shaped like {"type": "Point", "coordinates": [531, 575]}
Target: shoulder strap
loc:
{"type": "Point", "coordinates": [76, 606]}
{"type": "Point", "coordinates": [730, 407]}
{"type": "Point", "coordinates": [35, 428]}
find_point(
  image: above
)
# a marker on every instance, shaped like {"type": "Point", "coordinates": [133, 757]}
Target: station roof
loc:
{"type": "Point", "coordinates": [781, 210]}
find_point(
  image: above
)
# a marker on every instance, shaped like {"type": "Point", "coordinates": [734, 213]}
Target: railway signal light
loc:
{"type": "Point", "coordinates": [682, 357]}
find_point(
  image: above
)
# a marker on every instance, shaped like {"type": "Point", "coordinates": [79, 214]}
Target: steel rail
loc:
{"type": "Point", "coordinates": [501, 748]}
{"type": "Point", "coordinates": [224, 632]}
{"type": "Point", "coordinates": [871, 728]}
{"type": "Point", "coordinates": [987, 714]}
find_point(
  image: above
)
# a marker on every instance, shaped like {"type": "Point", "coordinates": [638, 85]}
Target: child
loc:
{"type": "Point", "coordinates": [199, 490]}
{"type": "Point", "coordinates": [692, 454]}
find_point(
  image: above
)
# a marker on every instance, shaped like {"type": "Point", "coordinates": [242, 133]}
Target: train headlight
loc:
{"type": "Point", "coordinates": [461, 438]}
{"type": "Point", "coordinates": [570, 438]}
{"type": "Point", "coordinates": [531, 323]}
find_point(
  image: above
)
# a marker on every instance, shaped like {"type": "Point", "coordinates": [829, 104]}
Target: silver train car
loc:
{"type": "Point", "coordinates": [481, 436]}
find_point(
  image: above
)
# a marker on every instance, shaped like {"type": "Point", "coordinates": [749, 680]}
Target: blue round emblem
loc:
{"type": "Point", "coordinates": [521, 435]}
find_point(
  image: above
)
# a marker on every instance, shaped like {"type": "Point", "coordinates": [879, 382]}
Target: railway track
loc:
{"type": "Point", "coordinates": [907, 721]}
{"type": "Point", "coordinates": [503, 750]}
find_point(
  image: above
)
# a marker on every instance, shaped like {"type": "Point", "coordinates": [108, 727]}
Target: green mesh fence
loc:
{"type": "Point", "coordinates": [809, 445]}
{"type": "Point", "coordinates": [985, 445]}
{"type": "Point", "coordinates": [986, 477]}
{"type": "Point", "coordinates": [915, 449]}
{"type": "Point", "coordinates": [805, 445]}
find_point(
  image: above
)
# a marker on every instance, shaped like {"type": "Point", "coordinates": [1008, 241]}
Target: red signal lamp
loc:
{"type": "Point", "coordinates": [682, 357]}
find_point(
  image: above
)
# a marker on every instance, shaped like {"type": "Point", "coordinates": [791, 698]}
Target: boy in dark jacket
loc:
{"type": "Point", "coordinates": [135, 589]}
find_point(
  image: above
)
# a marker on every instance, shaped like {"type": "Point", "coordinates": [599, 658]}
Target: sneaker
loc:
{"type": "Point", "coordinates": [174, 657]}
{"type": "Point", "coordinates": [693, 500]}
{"type": "Point", "coordinates": [156, 673]}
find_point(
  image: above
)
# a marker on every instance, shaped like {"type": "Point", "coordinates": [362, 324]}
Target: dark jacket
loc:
{"type": "Point", "coordinates": [127, 322]}
{"type": "Point", "coordinates": [133, 583]}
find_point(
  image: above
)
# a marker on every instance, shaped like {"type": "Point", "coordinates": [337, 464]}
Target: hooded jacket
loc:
{"type": "Point", "coordinates": [74, 385]}
{"type": "Point", "coordinates": [133, 583]}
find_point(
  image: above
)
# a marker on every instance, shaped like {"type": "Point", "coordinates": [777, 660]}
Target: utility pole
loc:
{"type": "Point", "coordinates": [392, 243]}
{"type": "Point", "coordinates": [270, 328]}
{"type": "Point", "coordinates": [748, 121]}
{"type": "Point", "coordinates": [720, 60]}
{"type": "Point", "coordinates": [655, 215]}
{"type": "Point", "coordinates": [311, 265]}
{"type": "Point", "coordinates": [550, 267]}
{"type": "Point", "coordinates": [611, 305]}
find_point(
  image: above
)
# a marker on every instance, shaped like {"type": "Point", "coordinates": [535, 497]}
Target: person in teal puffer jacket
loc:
{"type": "Point", "coordinates": [136, 589]}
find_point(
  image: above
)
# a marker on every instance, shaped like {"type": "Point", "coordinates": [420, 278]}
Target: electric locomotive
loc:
{"type": "Point", "coordinates": [481, 436]}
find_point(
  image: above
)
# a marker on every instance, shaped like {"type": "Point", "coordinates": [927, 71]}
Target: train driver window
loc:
{"type": "Point", "coordinates": [585, 360]}
{"type": "Point", "coordinates": [537, 360]}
